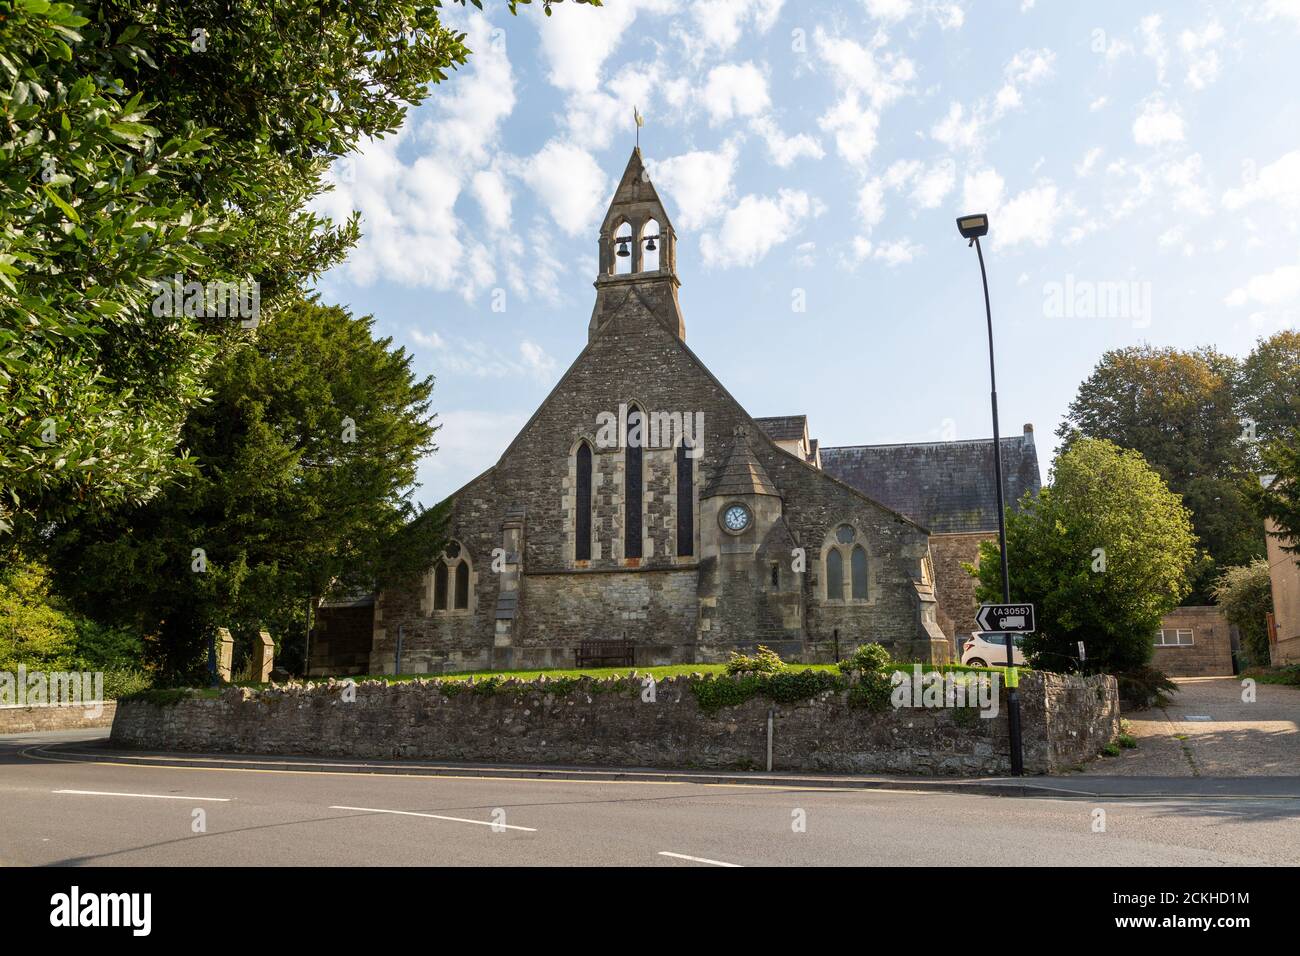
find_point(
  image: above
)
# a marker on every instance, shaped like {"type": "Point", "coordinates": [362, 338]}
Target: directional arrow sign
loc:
{"type": "Point", "coordinates": [1008, 618]}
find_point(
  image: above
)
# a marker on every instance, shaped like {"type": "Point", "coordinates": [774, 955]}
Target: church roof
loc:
{"type": "Point", "coordinates": [741, 472]}
{"type": "Point", "coordinates": [947, 487]}
{"type": "Point", "coordinates": [784, 427]}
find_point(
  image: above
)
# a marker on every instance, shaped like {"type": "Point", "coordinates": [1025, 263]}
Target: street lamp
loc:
{"type": "Point", "coordinates": [972, 227]}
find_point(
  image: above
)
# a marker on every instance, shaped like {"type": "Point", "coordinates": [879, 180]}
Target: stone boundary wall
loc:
{"type": "Point", "coordinates": [49, 717]}
{"type": "Point", "coordinates": [1067, 720]}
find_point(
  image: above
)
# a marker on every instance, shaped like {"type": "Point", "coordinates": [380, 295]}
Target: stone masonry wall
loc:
{"type": "Point", "coordinates": [1067, 720]}
{"type": "Point", "coordinates": [27, 720]}
{"type": "Point", "coordinates": [956, 588]}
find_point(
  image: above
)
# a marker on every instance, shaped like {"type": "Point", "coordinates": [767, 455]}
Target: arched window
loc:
{"type": "Point", "coordinates": [624, 253]}
{"type": "Point", "coordinates": [440, 585]}
{"type": "Point", "coordinates": [834, 575]}
{"type": "Point", "coordinates": [685, 503]}
{"type": "Point", "coordinates": [452, 587]}
{"type": "Point", "coordinates": [462, 586]}
{"type": "Point", "coordinates": [632, 483]}
{"type": "Point", "coordinates": [582, 506]}
{"type": "Point", "coordinates": [859, 571]}
{"type": "Point", "coordinates": [650, 240]}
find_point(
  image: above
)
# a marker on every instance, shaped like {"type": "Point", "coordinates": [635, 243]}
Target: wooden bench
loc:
{"type": "Point", "coordinates": [605, 654]}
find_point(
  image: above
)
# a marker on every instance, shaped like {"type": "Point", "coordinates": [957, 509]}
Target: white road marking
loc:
{"type": "Point", "coordinates": [696, 859]}
{"type": "Point", "coordinates": [150, 796]}
{"type": "Point", "coordinates": [434, 816]}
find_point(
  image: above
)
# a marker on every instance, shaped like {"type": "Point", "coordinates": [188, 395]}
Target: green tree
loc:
{"type": "Point", "coordinates": [307, 451]}
{"type": "Point", "coordinates": [1103, 553]}
{"type": "Point", "coordinates": [34, 630]}
{"type": "Point", "coordinates": [143, 140]}
{"type": "Point", "coordinates": [1246, 595]}
{"type": "Point", "coordinates": [1181, 411]}
{"type": "Point", "coordinates": [1277, 496]}
{"type": "Point", "coordinates": [1269, 386]}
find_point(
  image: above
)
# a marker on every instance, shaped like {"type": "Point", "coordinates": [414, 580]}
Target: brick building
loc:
{"type": "Point", "coordinates": [1194, 641]}
{"type": "Point", "coordinates": [641, 502]}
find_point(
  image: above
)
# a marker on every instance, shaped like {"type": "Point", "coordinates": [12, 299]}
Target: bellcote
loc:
{"type": "Point", "coordinates": [637, 251]}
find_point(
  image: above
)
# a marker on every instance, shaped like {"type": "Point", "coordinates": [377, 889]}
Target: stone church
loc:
{"type": "Point", "coordinates": [642, 504]}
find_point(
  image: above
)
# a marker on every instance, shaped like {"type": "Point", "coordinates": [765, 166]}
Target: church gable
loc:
{"type": "Point", "coordinates": [642, 502]}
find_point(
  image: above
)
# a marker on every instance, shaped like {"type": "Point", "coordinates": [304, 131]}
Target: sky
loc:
{"type": "Point", "coordinates": [1140, 165]}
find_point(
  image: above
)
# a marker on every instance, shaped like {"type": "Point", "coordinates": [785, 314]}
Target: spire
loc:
{"type": "Point", "coordinates": [741, 472]}
{"type": "Point", "coordinates": [638, 251]}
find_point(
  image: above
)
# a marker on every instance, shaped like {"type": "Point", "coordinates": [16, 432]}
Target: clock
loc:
{"type": "Point", "coordinates": [735, 518]}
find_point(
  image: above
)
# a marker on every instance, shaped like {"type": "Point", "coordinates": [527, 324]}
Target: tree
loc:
{"type": "Point", "coordinates": [144, 140]}
{"type": "Point", "coordinates": [1180, 410]}
{"type": "Point", "coordinates": [1277, 497]}
{"type": "Point", "coordinates": [1246, 596]}
{"type": "Point", "coordinates": [307, 453]}
{"type": "Point", "coordinates": [1103, 552]}
{"type": "Point", "coordinates": [1269, 386]}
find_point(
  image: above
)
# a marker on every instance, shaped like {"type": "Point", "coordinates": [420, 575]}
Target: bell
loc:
{"type": "Point", "coordinates": [623, 251]}
{"type": "Point", "coordinates": [650, 244]}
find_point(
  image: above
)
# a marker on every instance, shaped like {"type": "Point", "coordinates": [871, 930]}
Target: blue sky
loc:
{"type": "Point", "coordinates": [1139, 162]}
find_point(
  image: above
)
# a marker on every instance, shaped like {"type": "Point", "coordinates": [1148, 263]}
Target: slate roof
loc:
{"type": "Point", "coordinates": [947, 487]}
{"type": "Point", "coordinates": [741, 473]}
{"type": "Point", "coordinates": [784, 427]}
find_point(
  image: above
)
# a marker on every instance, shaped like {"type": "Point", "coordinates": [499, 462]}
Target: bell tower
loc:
{"type": "Point", "coordinates": [638, 252]}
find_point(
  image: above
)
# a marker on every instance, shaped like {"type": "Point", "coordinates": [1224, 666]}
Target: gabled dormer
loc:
{"type": "Point", "coordinates": [638, 252]}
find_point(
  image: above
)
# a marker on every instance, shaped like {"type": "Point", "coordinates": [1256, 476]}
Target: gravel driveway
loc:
{"type": "Point", "coordinates": [1240, 739]}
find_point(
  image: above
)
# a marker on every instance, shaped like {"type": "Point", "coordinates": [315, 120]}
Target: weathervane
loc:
{"type": "Point", "coordinates": [640, 121]}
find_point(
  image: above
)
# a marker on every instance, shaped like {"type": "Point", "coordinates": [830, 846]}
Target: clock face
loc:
{"type": "Point", "coordinates": [736, 518]}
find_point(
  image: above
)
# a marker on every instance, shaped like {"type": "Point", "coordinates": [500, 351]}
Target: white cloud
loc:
{"type": "Point", "coordinates": [576, 41]}
{"type": "Point", "coordinates": [493, 195]}
{"type": "Point", "coordinates": [568, 181]}
{"type": "Point", "coordinates": [982, 191]}
{"type": "Point", "coordinates": [477, 359]}
{"type": "Point", "coordinates": [871, 203]}
{"type": "Point", "coordinates": [755, 225]}
{"type": "Point", "coordinates": [891, 11]}
{"type": "Point", "coordinates": [1085, 165]}
{"type": "Point", "coordinates": [1202, 58]}
{"type": "Point", "coordinates": [719, 24]}
{"type": "Point", "coordinates": [958, 130]}
{"type": "Point", "coordinates": [1285, 9]}
{"type": "Point", "coordinates": [1278, 183]}
{"type": "Point", "coordinates": [735, 89]}
{"type": "Point", "coordinates": [1158, 123]}
{"type": "Point", "coordinates": [1272, 288]}
{"type": "Point", "coordinates": [698, 184]}
{"type": "Point", "coordinates": [1030, 217]}
{"type": "Point", "coordinates": [785, 150]}
{"type": "Point", "coordinates": [1185, 179]}
{"type": "Point", "coordinates": [1097, 104]}
{"type": "Point", "coordinates": [934, 184]}
{"type": "Point", "coordinates": [1154, 46]}
{"type": "Point", "coordinates": [896, 252]}
{"type": "Point", "coordinates": [869, 81]}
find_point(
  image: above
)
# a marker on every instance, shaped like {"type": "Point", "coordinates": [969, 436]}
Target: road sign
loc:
{"type": "Point", "coordinates": [1010, 618]}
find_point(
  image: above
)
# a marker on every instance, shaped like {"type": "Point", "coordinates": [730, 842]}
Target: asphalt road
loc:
{"type": "Point", "coordinates": [61, 811]}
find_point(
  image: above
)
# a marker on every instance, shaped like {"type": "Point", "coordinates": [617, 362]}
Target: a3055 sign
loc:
{"type": "Point", "coordinates": [1008, 618]}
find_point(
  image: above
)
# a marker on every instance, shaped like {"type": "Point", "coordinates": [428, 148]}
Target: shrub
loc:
{"type": "Point", "coordinates": [1127, 741]}
{"type": "Point", "coordinates": [868, 658]}
{"type": "Point", "coordinates": [872, 690]}
{"type": "Point", "coordinates": [1145, 686]}
{"type": "Point", "coordinates": [122, 682]}
{"type": "Point", "coordinates": [765, 661]}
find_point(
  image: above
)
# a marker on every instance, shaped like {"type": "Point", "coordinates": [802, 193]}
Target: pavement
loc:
{"type": "Point", "coordinates": [68, 800]}
{"type": "Point", "coordinates": [1208, 730]}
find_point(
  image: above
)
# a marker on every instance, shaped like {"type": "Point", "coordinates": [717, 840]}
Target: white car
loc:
{"type": "Point", "coordinates": [989, 649]}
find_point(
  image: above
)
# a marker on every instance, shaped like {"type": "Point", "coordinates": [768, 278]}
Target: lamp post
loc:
{"type": "Point", "coordinates": [972, 228]}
